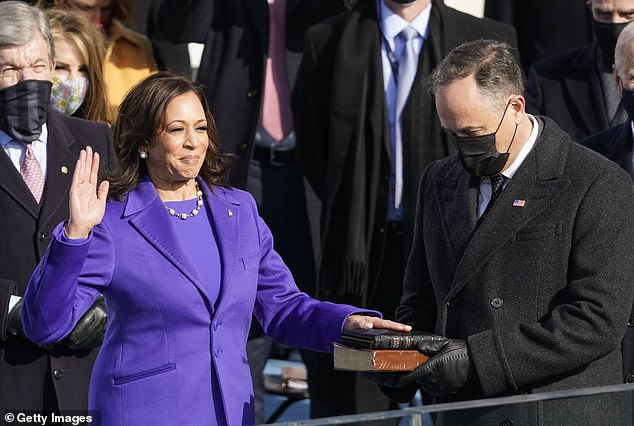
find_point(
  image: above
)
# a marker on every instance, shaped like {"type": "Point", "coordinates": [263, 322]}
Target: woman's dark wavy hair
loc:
{"type": "Point", "coordinates": [142, 116]}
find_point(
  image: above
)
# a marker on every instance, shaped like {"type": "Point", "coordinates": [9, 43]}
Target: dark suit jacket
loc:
{"type": "Point", "coordinates": [236, 34]}
{"type": "Point", "coordinates": [543, 27]}
{"type": "Point", "coordinates": [26, 231]}
{"type": "Point", "coordinates": [567, 88]}
{"type": "Point", "coordinates": [169, 56]}
{"type": "Point", "coordinates": [616, 144]}
{"type": "Point", "coordinates": [541, 293]}
{"type": "Point", "coordinates": [341, 124]}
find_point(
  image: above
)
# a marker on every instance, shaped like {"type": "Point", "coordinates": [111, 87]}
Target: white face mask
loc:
{"type": "Point", "coordinates": [68, 93]}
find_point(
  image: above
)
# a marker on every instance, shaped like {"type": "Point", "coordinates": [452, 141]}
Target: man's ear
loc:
{"type": "Point", "coordinates": [519, 108]}
{"type": "Point", "coordinates": [617, 80]}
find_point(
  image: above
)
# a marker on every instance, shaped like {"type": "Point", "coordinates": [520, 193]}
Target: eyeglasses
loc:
{"type": "Point", "coordinates": [12, 71]}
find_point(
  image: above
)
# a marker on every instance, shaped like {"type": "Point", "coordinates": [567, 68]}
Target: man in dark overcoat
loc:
{"type": "Point", "coordinates": [575, 88]}
{"type": "Point", "coordinates": [346, 121]}
{"type": "Point", "coordinates": [523, 255]}
{"type": "Point", "coordinates": [616, 144]}
{"type": "Point", "coordinates": [55, 378]}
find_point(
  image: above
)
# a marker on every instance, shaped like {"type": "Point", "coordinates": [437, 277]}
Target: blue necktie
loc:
{"type": "Point", "coordinates": [407, 66]}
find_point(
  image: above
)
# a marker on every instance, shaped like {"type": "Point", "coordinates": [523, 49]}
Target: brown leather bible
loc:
{"type": "Point", "coordinates": [354, 359]}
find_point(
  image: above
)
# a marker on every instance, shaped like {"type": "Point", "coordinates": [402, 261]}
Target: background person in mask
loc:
{"type": "Point", "coordinates": [39, 150]}
{"type": "Point", "coordinates": [366, 130]}
{"type": "Point", "coordinates": [616, 144]}
{"type": "Point", "coordinates": [523, 256]}
{"type": "Point", "coordinates": [543, 27]}
{"type": "Point", "coordinates": [576, 88]}
{"type": "Point", "coordinates": [129, 55]}
{"type": "Point", "coordinates": [78, 86]}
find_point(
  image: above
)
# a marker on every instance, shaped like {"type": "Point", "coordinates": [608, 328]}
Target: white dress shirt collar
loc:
{"type": "Point", "coordinates": [484, 195]}
{"type": "Point", "coordinates": [392, 24]}
{"type": "Point", "coordinates": [15, 150]}
{"type": "Point", "coordinates": [526, 149]}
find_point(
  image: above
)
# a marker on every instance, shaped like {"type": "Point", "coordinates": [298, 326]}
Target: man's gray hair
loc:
{"type": "Point", "coordinates": [623, 49]}
{"type": "Point", "coordinates": [18, 24]}
{"type": "Point", "coordinates": [493, 65]}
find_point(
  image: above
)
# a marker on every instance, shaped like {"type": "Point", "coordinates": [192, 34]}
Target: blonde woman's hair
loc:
{"type": "Point", "coordinates": [75, 28]}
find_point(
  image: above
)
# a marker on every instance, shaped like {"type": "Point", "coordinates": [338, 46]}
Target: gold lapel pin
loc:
{"type": "Point", "coordinates": [64, 169]}
{"type": "Point", "coordinates": [229, 212]}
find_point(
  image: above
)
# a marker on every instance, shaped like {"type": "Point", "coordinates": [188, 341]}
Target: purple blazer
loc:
{"type": "Point", "coordinates": [164, 334]}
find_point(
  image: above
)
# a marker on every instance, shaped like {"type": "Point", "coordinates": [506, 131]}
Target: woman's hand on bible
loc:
{"type": "Point", "coordinates": [87, 199]}
{"type": "Point", "coordinates": [365, 322]}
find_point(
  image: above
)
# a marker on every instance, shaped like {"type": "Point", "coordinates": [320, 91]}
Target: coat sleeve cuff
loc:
{"type": "Point", "coordinates": [7, 289]}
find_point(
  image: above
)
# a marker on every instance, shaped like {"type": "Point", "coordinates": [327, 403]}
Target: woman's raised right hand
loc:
{"type": "Point", "coordinates": [87, 201]}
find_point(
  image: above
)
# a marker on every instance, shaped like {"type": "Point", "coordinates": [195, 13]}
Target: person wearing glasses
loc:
{"type": "Point", "coordinates": [39, 150]}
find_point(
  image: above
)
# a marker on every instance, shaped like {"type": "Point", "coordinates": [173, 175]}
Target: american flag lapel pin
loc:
{"type": "Point", "coordinates": [519, 203]}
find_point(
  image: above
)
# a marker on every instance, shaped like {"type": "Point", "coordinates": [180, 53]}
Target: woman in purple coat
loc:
{"type": "Point", "coordinates": [182, 261]}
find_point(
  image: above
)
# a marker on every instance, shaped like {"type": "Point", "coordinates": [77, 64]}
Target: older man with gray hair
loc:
{"type": "Point", "coordinates": [39, 151]}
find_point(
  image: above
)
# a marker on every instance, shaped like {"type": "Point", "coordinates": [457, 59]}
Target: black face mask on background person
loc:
{"type": "Point", "coordinates": [479, 155]}
{"type": "Point", "coordinates": [23, 109]}
{"type": "Point", "coordinates": [627, 98]}
{"type": "Point", "coordinates": [606, 35]}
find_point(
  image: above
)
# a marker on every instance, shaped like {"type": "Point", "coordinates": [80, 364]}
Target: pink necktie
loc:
{"type": "Point", "coordinates": [277, 118]}
{"type": "Point", "coordinates": [32, 173]}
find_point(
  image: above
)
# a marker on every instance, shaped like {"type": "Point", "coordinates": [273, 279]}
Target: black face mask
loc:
{"type": "Point", "coordinates": [606, 35]}
{"type": "Point", "coordinates": [23, 109]}
{"type": "Point", "coordinates": [478, 154]}
{"type": "Point", "coordinates": [627, 98]}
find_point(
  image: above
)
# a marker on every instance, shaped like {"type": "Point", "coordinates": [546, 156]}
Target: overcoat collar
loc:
{"type": "Point", "coordinates": [619, 146]}
{"type": "Point", "coordinates": [585, 87]}
{"type": "Point", "coordinates": [59, 157]}
{"type": "Point", "coordinates": [538, 182]}
{"type": "Point", "coordinates": [149, 217]}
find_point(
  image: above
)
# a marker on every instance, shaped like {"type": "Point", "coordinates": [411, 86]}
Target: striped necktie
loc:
{"type": "Point", "coordinates": [407, 66]}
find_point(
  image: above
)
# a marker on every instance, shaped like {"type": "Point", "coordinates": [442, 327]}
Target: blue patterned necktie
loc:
{"type": "Point", "coordinates": [407, 66]}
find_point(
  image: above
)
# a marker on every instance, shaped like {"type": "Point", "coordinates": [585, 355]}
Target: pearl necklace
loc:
{"type": "Point", "coordinates": [199, 204]}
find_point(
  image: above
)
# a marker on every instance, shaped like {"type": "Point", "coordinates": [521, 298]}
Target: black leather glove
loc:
{"type": "Point", "coordinates": [14, 322]}
{"type": "Point", "coordinates": [387, 378]}
{"type": "Point", "coordinates": [90, 329]}
{"type": "Point", "coordinates": [14, 326]}
{"type": "Point", "coordinates": [447, 371]}
{"type": "Point", "coordinates": [429, 343]}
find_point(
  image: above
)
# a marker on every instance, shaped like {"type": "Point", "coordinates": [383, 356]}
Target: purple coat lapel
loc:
{"type": "Point", "coordinates": [150, 218]}
{"type": "Point", "coordinates": [225, 211]}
